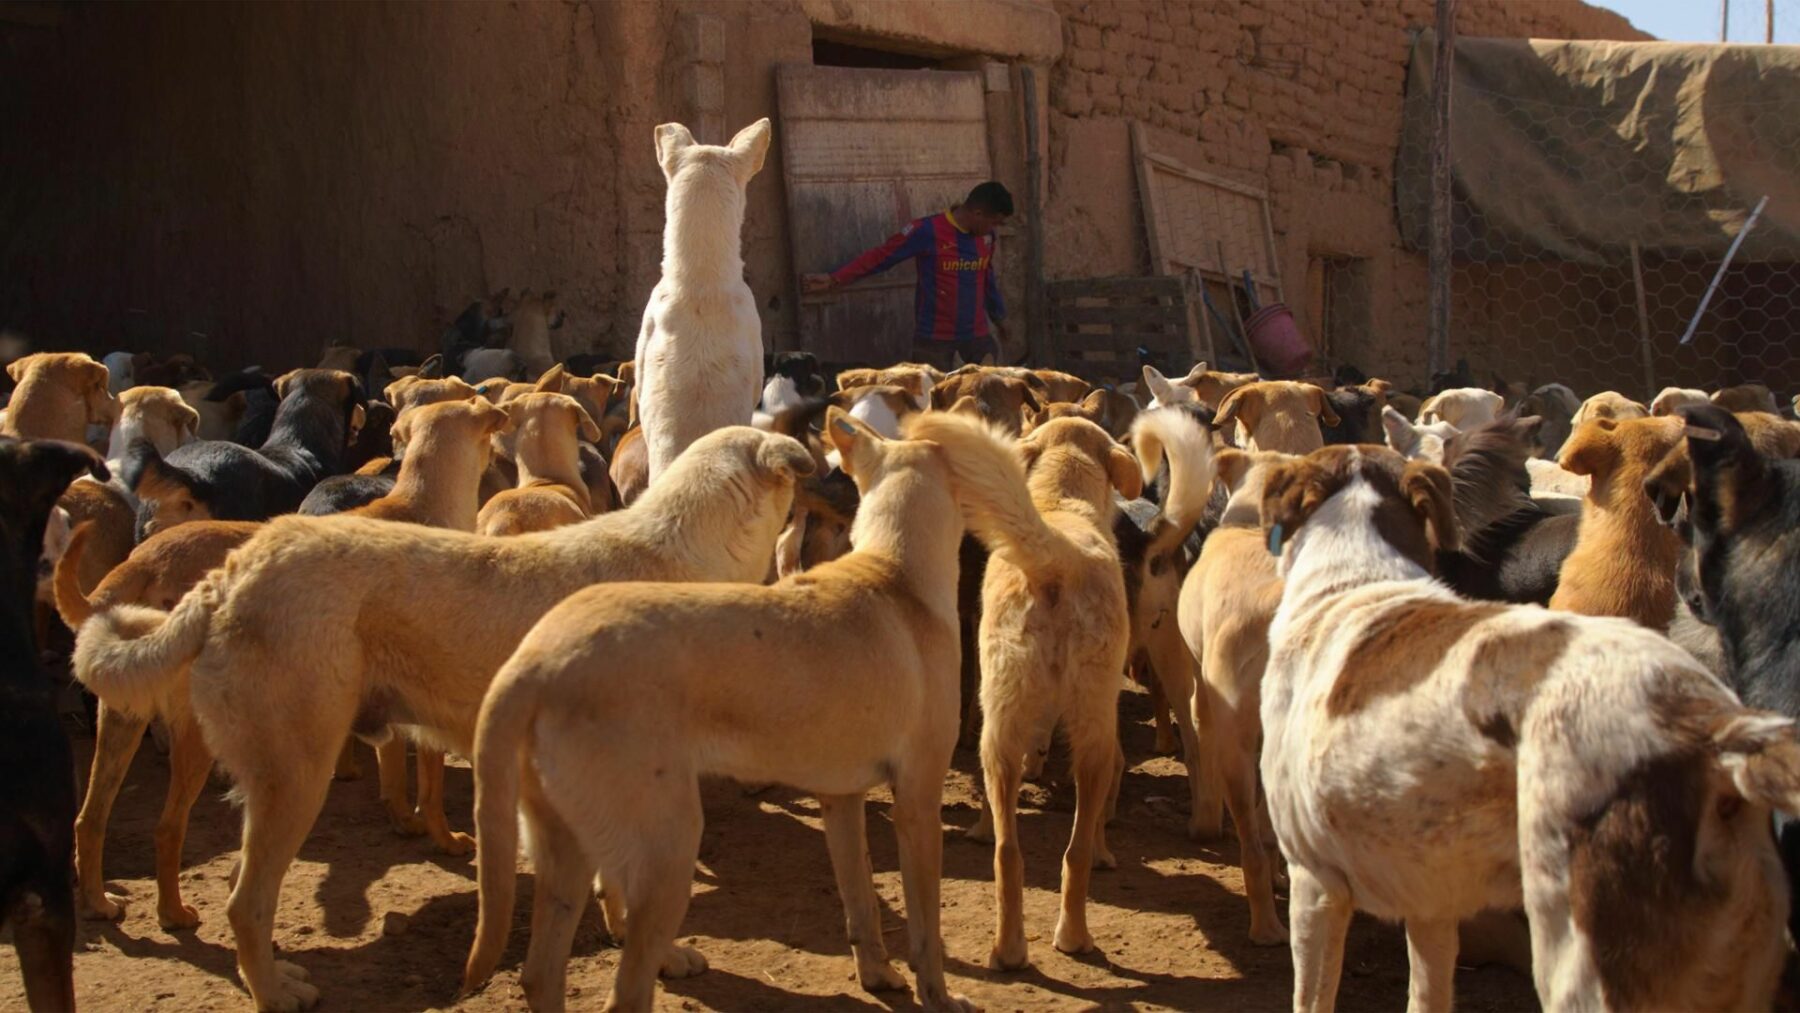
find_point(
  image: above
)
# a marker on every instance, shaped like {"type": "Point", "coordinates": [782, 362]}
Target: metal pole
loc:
{"type": "Point", "coordinates": [1643, 308]}
{"type": "Point", "coordinates": [1037, 326]}
{"type": "Point", "coordinates": [1768, 22]}
{"type": "Point", "coordinates": [1724, 20]}
{"type": "Point", "coordinates": [1438, 325]}
{"type": "Point", "coordinates": [1730, 252]}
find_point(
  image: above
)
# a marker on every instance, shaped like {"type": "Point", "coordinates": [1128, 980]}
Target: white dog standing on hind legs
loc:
{"type": "Point", "coordinates": [699, 352]}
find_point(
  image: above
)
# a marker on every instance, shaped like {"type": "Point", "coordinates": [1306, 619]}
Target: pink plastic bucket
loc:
{"type": "Point", "coordinates": [1280, 348]}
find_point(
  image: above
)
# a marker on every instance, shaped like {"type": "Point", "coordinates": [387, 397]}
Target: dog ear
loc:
{"type": "Point", "coordinates": [751, 146]}
{"type": "Point", "coordinates": [1428, 410]}
{"type": "Point", "coordinates": [401, 431]}
{"type": "Point", "coordinates": [1401, 435]}
{"type": "Point", "coordinates": [499, 417]}
{"type": "Point", "coordinates": [1428, 490]}
{"type": "Point", "coordinates": [785, 457]}
{"type": "Point", "coordinates": [1123, 471]}
{"type": "Point", "coordinates": [1592, 448]}
{"type": "Point", "coordinates": [1731, 480]}
{"type": "Point", "coordinates": [944, 394]}
{"type": "Point", "coordinates": [553, 379]}
{"type": "Point", "coordinates": [1160, 387]}
{"type": "Point", "coordinates": [1229, 468]}
{"type": "Point", "coordinates": [1291, 492]}
{"type": "Point", "coordinates": [283, 382]}
{"type": "Point", "coordinates": [584, 423]}
{"type": "Point", "coordinates": [1321, 406]}
{"type": "Point", "coordinates": [1759, 755]}
{"type": "Point", "coordinates": [432, 368]}
{"type": "Point", "coordinates": [671, 140]}
{"type": "Point", "coordinates": [1668, 483]}
{"type": "Point", "coordinates": [1243, 405]}
{"type": "Point", "coordinates": [1027, 396]}
{"type": "Point", "coordinates": [1029, 419]}
{"type": "Point", "coordinates": [850, 437]}
{"type": "Point", "coordinates": [187, 420]}
{"type": "Point", "coordinates": [1196, 373]}
{"type": "Point", "coordinates": [1095, 402]}
{"type": "Point", "coordinates": [16, 368]}
{"type": "Point", "coordinates": [968, 405]}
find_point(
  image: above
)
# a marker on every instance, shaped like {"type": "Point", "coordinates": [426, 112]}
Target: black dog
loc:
{"type": "Point", "coordinates": [800, 367]}
{"type": "Point", "coordinates": [1743, 523]}
{"type": "Point", "coordinates": [1513, 547]}
{"type": "Point", "coordinates": [307, 442]}
{"type": "Point", "coordinates": [1358, 409]}
{"type": "Point", "coordinates": [37, 769]}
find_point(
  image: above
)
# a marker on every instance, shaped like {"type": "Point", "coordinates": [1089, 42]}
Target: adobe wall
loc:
{"type": "Point", "coordinates": [1303, 98]}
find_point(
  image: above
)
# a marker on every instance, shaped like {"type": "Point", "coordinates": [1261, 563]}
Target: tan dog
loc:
{"type": "Point", "coordinates": [1000, 398]}
{"type": "Point", "coordinates": [1278, 415]}
{"type": "Point", "coordinates": [413, 391]}
{"type": "Point", "coordinates": [1060, 386]}
{"type": "Point", "coordinates": [436, 486]}
{"type": "Point", "coordinates": [1463, 407]}
{"type": "Point", "coordinates": [59, 394]}
{"type": "Point", "coordinates": [630, 467]}
{"type": "Point", "coordinates": [1053, 640]}
{"type": "Point", "coordinates": [1746, 397]}
{"type": "Point", "coordinates": [157, 414]}
{"type": "Point", "coordinates": [1623, 563]}
{"type": "Point", "coordinates": [322, 625]}
{"type": "Point", "coordinates": [1608, 404]}
{"type": "Point", "coordinates": [218, 419]}
{"type": "Point", "coordinates": [1227, 603]}
{"type": "Point", "coordinates": [1108, 409]}
{"type": "Point", "coordinates": [915, 377]}
{"type": "Point", "coordinates": [544, 436]}
{"type": "Point", "coordinates": [573, 731]}
{"type": "Point", "coordinates": [1206, 386]}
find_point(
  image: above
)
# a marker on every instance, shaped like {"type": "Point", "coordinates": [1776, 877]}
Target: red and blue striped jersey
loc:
{"type": "Point", "coordinates": [956, 294]}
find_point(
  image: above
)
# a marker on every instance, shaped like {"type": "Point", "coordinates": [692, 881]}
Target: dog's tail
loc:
{"type": "Point", "coordinates": [1181, 437]}
{"type": "Point", "coordinates": [129, 655]}
{"type": "Point", "coordinates": [71, 604]}
{"type": "Point", "coordinates": [501, 731]}
{"type": "Point", "coordinates": [990, 485]}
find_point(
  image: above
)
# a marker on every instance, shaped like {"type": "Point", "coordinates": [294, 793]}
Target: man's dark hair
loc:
{"type": "Point", "coordinates": [990, 196]}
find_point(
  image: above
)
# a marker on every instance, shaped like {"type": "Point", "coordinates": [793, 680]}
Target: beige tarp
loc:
{"type": "Point", "coordinates": [1573, 150]}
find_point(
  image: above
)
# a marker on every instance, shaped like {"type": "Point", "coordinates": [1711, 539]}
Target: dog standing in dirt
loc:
{"type": "Point", "coordinates": [699, 352]}
{"type": "Point", "coordinates": [606, 717]}
{"type": "Point", "coordinates": [1053, 638]}
{"type": "Point", "coordinates": [320, 626]}
{"type": "Point", "coordinates": [37, 769]}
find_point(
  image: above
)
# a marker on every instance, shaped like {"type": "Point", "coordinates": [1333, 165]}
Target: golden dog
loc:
{"type": "Point", "coordinates": [323, 625]}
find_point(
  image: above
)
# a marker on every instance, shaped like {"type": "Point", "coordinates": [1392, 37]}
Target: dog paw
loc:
{"type": "Point", "coordinates": [1166, 743]}
{"type": "Point", "coordinates": [406, 824]}
{"type": "Point", "coordinates": [981, 833]}
{"type": "Point", "coordinates": [292, 992]}
{"type": "Point", "coordinates": [1272, 934]}
{"type": "Point", "coordinates": [948, 1002]}
{"type": "Point", "coordinates": [178, 916]}
{"type": "Point", "coordinates": [109, 907]}
{"type": "Point", "coordinates": [1104, 858]}
{"type": "Point", "coordinates": [454, 843]}
{"type": "Point", "coordinates": [1072, 940]}
{"type": "Point", "coordinates": [1009, 956]}
{"type": "Point", "coordinates": [880, 976]}
{"type": "Point", "coordinates": [682, 962]}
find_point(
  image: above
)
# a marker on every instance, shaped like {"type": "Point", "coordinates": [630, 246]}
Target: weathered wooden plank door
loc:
{"type": "Point", "coordinates": [864, 152]}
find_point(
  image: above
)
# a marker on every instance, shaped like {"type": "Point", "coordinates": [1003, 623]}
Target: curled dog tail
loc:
{"type": "Point", "coordinates": [129, 655]}
{"type": "Point", "coordinates": [990, 486]}
{"type": "Point", "coordinates": [1181, 437]}
{"type": "Point", "coordinates": [71, 604]}
{"type": "Point", "coordinates": [501, 731]}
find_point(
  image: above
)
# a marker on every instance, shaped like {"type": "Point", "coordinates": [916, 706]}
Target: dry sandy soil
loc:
{"type": "Point", "coordinates": [382, 923]}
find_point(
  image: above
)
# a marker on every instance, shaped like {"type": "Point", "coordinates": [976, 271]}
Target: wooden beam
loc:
{"type": "Point", "coordinates": [1034, 214]}
{"type": "Point", "coordinates": [1438, 322]}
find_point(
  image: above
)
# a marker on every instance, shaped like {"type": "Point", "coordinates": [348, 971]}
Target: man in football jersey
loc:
{"type": "Point", "coordinates": [957, 307]}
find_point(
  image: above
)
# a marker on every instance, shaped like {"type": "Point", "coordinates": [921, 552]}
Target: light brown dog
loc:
{"type": "Point", "coordinates": [1227, 603]}
{"type": "Point", "coordinates": [1746, 397]}
{"type": "Point", "coordinates": [1278, 415]}
{"type": "Point", "coordinates": [630, 467]}
{"type": "Point", "coordinates": [157, 414]}
{"type": "Point", "coordinates": [1608, 404]}
{"type": "Point", "coordinates": [1061, 386]}
{"type": "Point", "coordinates": [606, 764]}
{"type": "Point", "coordinates": [448, 449]}
{"type": "Point", "coordinates": [413, 391]}
{"type": "Point", "coordinates": [544, 435]}
{"type": "Point", "coordinates": [1206, 386]}
{"type": "Point", "coordinates": [1623, 563]}
{"type": "Point", "coordinates": [1001, 398]}
{"type": "Point", "coordinates": [1108, 409]}
{"type": "Point", "coordinates": [1463, 407]}
{"type": "Point", "coordinates": [1053, 639]}
{"type": "Point", "coordinates": [1670, 398]}
{"type": "Point", "coordinates": [322, 625]}
{"type": "Point", "coordinates": [59, 394]}
{"type": "Point", "coordinates": [218, 419]}
{"type": "Point", "coordinates": [917, 377]}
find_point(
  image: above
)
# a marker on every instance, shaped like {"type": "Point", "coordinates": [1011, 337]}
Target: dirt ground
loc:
{"type": "Point", "coordinates": [383, 923]}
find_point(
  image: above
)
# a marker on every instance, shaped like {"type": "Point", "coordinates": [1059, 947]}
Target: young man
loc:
{"type": "Point", "coordinates": [957, 295]}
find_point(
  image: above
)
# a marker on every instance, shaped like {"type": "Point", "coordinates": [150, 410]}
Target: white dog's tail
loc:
{"type": "Point", "coordinates": [501, 731]}
{"type": "Point", "coordinates": [990, 485]}
{"type": "Point", "coordinates": [1180, 436]}
{"type": "Point", "coordinates": [129, 655]}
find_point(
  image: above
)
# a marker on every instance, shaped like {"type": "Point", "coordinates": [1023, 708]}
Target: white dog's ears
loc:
{"type": "Point", "coordinates": [1160, 387]}
{"type": "Point", "coordinates": [751, 145]}
{"type": "Point", "coordinates": [671, 140]}
{"type": "Point", "coordinates": [1400, 433]}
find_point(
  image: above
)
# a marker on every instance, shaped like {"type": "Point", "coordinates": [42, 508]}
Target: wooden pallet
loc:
{"type": "Point", "coordinates": [1097, 325]}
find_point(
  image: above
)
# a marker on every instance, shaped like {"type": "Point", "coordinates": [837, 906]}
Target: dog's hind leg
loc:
{"type": "Point", "coordinates": [1321, 917]}
{"type": "Point", "coordinates": [44, 936]}
{"type": "Point", "coordinates": [1175, 674]}
{"type": "Point", "coordinates": [1247, 815]}
{"type": "Point", "coordinates": [117, 736]}
{"type": "Point", "coordinates": [846, 835]}
{"type": "Point", "coordinates": [1003, 771]}
{"type": "Point", "coordinates": [1093, 746]}
{"type": "Point", "coordinates": [349, 767]}
{"type": "Point", "coordinates": [281, 802]}
{"type": "Point", "coordinates": [189, 764]}
{"type": "Point", "coordinates": [658, 876]}
{"type": "Point", "coordinates": [559, 895]}
{"type": "Point", "coordinates": [431, 805]}
{"type": "Point", "coordinates": [918, 823]}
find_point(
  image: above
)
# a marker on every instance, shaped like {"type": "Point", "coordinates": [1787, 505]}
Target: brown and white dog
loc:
{"type": "Point", "coordinates": [319, 626]}
{"type": "Point", "coordinates": [605, 760]}
{"type": "Point", "coordinates": [1623, 563]}
{"type": "Point", "coordinates": [1279, 415]}
{"type": "Point", "coordinates": [1670, 398]}
{"type": "Point", "coordinates": [1427, 758]}
{"type": "Point", "coordinates": [1053, 639]}
{"type": "Point", "coordinates": [1201, 385]}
